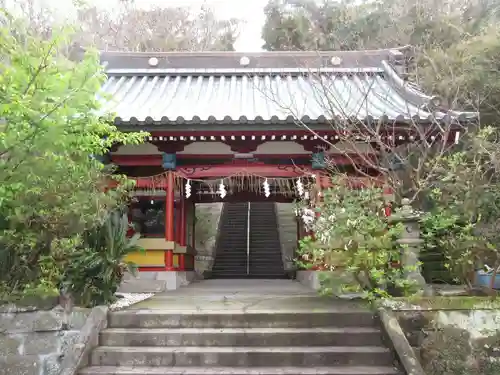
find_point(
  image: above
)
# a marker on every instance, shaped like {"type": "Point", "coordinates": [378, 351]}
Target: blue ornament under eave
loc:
{"type": "Point", "coordinates": [169, 161]}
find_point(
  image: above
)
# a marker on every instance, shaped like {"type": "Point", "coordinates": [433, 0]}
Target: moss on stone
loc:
{"type": "Point", "coordinates": [450, 303]}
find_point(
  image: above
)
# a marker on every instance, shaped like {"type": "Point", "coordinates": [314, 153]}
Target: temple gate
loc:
{"type": "Point", "coordinates": [240, 127]}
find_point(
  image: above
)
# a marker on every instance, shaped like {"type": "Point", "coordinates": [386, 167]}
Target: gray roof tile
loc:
{"type": "Point", "coordinates": [226, 94]}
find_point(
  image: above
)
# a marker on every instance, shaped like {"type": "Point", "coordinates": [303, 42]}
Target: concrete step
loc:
{"type": "Point", "coordinates": [354, 336]}
{"type": "Point", "coordinates": [341, 317]}
{"type": "Point", "coordinates": [240, 356]}
{"type": "Point", "coordinates": [337, 370]}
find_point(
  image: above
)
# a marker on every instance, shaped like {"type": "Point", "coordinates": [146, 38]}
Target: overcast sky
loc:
{"type": "Point", "coordinates": [251, 12]}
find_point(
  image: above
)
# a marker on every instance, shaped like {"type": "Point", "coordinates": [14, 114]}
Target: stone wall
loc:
{"type": "Point", "coordinates": [287, 227]}
{"type": "Point", "coordinates": [207, 223]}
{"type": "Point", "coordinates": [460, 341]}
{"type": "Point", "coordinates": [34, 342]}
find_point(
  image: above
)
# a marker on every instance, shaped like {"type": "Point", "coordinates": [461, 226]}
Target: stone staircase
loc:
{"type": "Point", "coordinates": [231, 251]}
{"type": "Point", "coordinates": [266, 261]}
{"type": "Point", "coordinates": [149, 342]}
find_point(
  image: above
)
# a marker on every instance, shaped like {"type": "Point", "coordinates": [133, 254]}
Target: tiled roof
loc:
{"type": "Point", "coordinates": [221, 91]}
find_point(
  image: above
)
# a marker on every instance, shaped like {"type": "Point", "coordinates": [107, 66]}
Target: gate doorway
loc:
{"type": "Point", "coordinates": [248, 243]}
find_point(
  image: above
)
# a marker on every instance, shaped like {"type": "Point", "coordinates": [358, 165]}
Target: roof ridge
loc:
{"type": "Point", "coordinates": [255, 53]}
{"type": "Point", "coordinates": [240, 71]}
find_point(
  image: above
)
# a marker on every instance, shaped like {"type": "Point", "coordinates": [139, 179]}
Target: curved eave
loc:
{"type": "Point", "coordinates": [458, 118]}
{"type": "Point", "coordinates": [418, 98]}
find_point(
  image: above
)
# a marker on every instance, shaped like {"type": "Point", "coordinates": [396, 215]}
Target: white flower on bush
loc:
{"type": "Point", "coordinates": [351, 223]}
{"type": "Point", "coordinates": [324, 237]}
{"type": "Point", "coordinates": [308, 218]}
{"type": "Point", "coordinates": [347, 245]}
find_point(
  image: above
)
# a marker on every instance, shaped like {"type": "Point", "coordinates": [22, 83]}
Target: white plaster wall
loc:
{"type": "Point", "coordinates": [142, 149]}
{"type": "Point", "coordinates": [287, 148]}
{"type": "Point", "coordinates": [351, 147]}
{"type": "Point", "coordinates": [206, 148]}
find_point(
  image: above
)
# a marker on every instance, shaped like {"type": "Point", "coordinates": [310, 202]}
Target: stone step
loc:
{"type": "Point", "coordinates": [142, 286]}
{"type": "Point", "coordinates": [240, 356]}
{"type": "Point", "coordinates": [253, 258]}
{"type": "Point", "coordinates": [267, 261]}
{"type": "Point", "coordinates": [230, 266]}
{"type": "Point", "coordinates": [337, 370]}
{"type": "Point", "coordinates": [354, 336]}
{"type": "Point", "coordinates": [251, 276]}
{"type": "Point", "coordinates": [257, 258]}
{"type": "Point", "coordinates": [341, 317]}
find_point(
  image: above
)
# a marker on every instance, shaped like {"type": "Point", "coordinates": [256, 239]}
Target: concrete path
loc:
{"type": "Point", "coordinates": [244, 296]}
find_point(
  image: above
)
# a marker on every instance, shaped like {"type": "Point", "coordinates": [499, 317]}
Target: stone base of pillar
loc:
{"type": "Point", "coordinates": [156, 281]}
{"type": "Point", "coordinates": [203, 264]}
{"type": "Point", "coordinates": [312, 279]}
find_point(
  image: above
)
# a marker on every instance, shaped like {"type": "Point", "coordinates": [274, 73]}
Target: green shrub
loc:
{"type": "Point", "coordinates": [353, 234]}
{"type": "Point", "coordinates": [96, 270]}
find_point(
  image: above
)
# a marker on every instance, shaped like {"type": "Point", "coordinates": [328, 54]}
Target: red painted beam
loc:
{"type": "Point", "coordinates": [262, 170]}
{"type": "Point", "coordinates": [152, 160]}
{"type": "Point", "coordinates": [243, 197]}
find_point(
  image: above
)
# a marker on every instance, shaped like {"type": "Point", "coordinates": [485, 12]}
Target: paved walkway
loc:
{"type": "Point", "coordinates": [243, 296]}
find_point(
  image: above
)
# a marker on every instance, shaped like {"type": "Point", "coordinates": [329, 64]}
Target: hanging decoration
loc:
{"type": "Point", "coordinates": [300, 187]}
{"type": "Point", "coordinates": [222, 190]}
{"type": "Point", "coordinates": [265, 185]}
{"type": "Point", "coordinates": [187, 189]}
{"type": "Point", "coordinates": [291, 187]}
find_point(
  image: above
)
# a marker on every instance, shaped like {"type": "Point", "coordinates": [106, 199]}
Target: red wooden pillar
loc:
{"type": "Point", "coordinates": [169, 220]}
{"type": "Point", "coordinates": [182, 229]}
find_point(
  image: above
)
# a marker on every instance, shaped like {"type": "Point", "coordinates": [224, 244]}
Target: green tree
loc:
{"type": "Point", "coordinates": [52, 187]}
{"type": "Point", "coordinates": [130, 26]}
{"type": "Point", "coordinates": [455, 43]}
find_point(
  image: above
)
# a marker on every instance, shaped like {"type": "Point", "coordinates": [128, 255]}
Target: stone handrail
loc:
{"type": "Point", "coordinates": [78, 355]}
{"type": "Point", "coordinates": [406, 355]}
